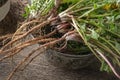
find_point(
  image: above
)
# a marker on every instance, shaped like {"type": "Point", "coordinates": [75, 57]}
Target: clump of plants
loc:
{"type": "Point", "coordinates": [63, 25]}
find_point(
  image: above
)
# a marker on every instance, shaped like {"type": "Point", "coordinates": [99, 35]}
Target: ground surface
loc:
{"type": "Point", "coordinates": [14, 16]}
{"type": "Point", "coordinates": [40, 69]}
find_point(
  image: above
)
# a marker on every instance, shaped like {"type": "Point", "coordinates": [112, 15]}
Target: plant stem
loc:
{"type": "Point", "coordinates": [84, 39]}
{"type": "Point", "coordinates": [112, 46]}
{"type": "Point", "coordinates": [113, 33]}
{"type": "Point", "coordinates": [108, 62]}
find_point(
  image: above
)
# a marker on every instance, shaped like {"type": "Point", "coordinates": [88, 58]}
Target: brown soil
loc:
{"type": "Point", "coordinates": [10, 22]}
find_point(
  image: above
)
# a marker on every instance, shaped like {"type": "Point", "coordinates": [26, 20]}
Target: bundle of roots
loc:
{"type": "Point", "coordinates": [47, 32]}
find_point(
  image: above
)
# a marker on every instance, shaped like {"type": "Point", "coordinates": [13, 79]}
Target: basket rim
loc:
{"type": "Point", "coordinates": [69, 55]}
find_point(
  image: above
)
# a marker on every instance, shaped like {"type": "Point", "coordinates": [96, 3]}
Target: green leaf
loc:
{"type": "Point", "coordinates": [27, 12]}
{"type": "Point", "coordinates": [94, 34]}
{"type": "Point", "coordinates": [117, 17]}
{"type": "Point", "coordinates": [117, 45]}
{"type": "Point", "coordinates": [95, 5]}
{"type": "Point", "coordinates": [105, 67]}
